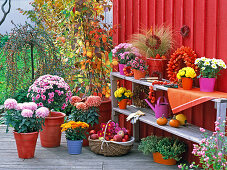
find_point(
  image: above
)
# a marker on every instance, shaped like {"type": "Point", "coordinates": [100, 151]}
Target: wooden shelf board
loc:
{"type": "Point", "coordinates": [141, 82]}
{"type": "Point", "coordinates": [189, 132]}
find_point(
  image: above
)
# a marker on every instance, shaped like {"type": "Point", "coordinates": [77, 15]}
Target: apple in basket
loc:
{"type": "Point", "coordinates": [126, 137]}
{"type": "Point", "coordinates": [92, 132]}
{"type": "Point", "coordinates": [94, 136]}
{"type": "Point", "coordinates": [117, 138]}
{"type": "Point", "coordinates": [124, 140]}
{"type": "Point", "coordinates": [121, 133]}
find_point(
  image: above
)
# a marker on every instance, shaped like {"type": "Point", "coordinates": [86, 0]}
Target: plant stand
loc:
{"type": "Point", "coordinates": [190, 132]}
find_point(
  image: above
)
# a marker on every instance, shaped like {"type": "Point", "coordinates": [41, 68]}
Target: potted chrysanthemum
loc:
{"type": "Point", "coordinates": [186, 74]}
{"type": "Point", "coordinates": [122, 95]}
{"type": "Point", "coordinates": [209, 69]}
{"type": "Point", "coordinates": [75, 133]}
{"type": "Point", "coordinates": [54, 93]}
{"type": "Point", "coordinates": [86, 110]}
{"type": "Point", "coordinates": [27, 120]}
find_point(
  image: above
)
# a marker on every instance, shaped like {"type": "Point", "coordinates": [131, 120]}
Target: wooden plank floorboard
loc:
{"type": "Point", "coordinates": [58, 158]}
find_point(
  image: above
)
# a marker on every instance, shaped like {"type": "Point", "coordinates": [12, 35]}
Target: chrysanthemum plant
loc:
{"type": "Point", "coordinates": [75, 130]}
{"type": "Point", "coordinates": [153, 42]}
{"type": "Point", "coordinates": [50, 91]}
{"type": "Point", "coordinates": [138, 64]}
{"type": "Point", "coordinates": [210, 153]}
{"type": "Point", "coordinates": [125, 52]}
{"type": "Point", "coordinates": [209, 68]}
{"type": "Point", "coordinates": [187, 72]}
{"type": "Point", "coordinates": [85, 111]}
{"type": "Point", "coordinates": [24, 117]}
{"type": "Point", "coordinates": [122, 93]}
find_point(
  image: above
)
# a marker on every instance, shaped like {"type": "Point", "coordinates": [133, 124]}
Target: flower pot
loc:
{"type": "Point", "coordinates": [26, 143]}
{"type": "Point", "coordinates": [74, 146]}
{"type": "Point", "coordinates": [123, 103]}
{"type": "Point", "coordinates": [207, 84]}
{"type": "Point", "coordinates": [50, 136]}
{"type": "Point", "coordinates": [157, 157]}
{"type": "Point", "coordinates": [105, 116]}
{"type": "Point", "coordinates": [187, 83]}
{"type": "Point", "coordinates": [156, 67]}
{"type": "Point", "coordinates": [139, 74]}
{"type": "Point", "coordinates": [121, 67]}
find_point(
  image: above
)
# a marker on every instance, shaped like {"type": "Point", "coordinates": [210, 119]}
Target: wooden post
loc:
{"type": "Point", "coordinates": [221, 116]}
{"type": "Point", "coordinates": [114, 100]}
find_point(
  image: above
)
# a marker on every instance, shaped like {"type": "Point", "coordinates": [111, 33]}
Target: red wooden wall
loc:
{"type": "Point", "coordinates": [207, 20]}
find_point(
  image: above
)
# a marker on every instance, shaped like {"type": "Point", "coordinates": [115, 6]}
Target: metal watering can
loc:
{"type": "Point", "coordinates": [160, 109]}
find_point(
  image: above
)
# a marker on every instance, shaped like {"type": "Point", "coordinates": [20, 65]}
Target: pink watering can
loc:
{"type": "Point", "coordinates": [160, 109]}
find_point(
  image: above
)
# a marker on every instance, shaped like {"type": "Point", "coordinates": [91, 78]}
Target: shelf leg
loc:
{"type": "Point", "coordinates": [114, 100]}
{"type": "Point", "coordinates": [136, 131]}
{"type": "Point", "coordinates": [221, 116]}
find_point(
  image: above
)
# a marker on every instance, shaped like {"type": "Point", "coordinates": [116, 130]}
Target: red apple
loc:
{"type": "Point", "coordinates": [128, 132]}
{"type": "Point", "coordinates": [124, 140]}
{"type": "Point", "coordinates": [121, 133]}
{"type": "Point", "coordinates": [92, 132]}
{"type": "Point", "coordinates": [107, 138]}
{"type": "Point", "coordinates": [94, 136]}
{"type": "Point", "coordinates": [117, 138]}
{"type": "Point", "coordinates": [126, 137]}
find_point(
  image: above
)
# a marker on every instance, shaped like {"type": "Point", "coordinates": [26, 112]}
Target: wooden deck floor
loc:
{"type": "Point", "coordinates": [58, 158]}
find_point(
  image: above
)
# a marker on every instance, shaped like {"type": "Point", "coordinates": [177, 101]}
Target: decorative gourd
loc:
{"type": "Point", "coordinates": [162, 121]}
{"type": "Point", "coordinates": [181, 118]}
{"type": "Point", "coordinates": [174, 122]}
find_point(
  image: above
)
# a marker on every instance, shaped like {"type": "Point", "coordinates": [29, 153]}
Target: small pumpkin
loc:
{"type": "Point", "coordinates": [162, 121]}
{"type": "Point", "coordinates": [174, 122]}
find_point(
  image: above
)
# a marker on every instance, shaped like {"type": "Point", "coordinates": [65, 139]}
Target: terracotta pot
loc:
{"type": "Point", "coordinates": [26, 143]}
{"type": "Point", "coordinates": [207, 84]}
{"type": "Point", "coordinates": [105, 110]}
{"type": "Point", "coordinates": [123, 103]}
{"type": "Point", "coordinates": [187, 83]}
{"type": "Point", "coordinates": [156, 66]}
{"type": "Point", "coordinates": [157, 157]}
{"type": "Point", "coordinates": [50, 136]}
{"type": "Point", "coordinates": [139, 74]}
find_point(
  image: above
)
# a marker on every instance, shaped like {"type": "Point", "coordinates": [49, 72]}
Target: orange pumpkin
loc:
{"type": "Point", "coordinates": [174, 123]}
{"type": "Point", "coordinates": [162, 121]}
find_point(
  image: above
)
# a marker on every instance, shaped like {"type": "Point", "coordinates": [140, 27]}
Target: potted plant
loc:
{"type": "Point", "coordinates": [186, 74]}
{"type": "Point", "coordinates": [154, 44]}
{"type": "Point", "coordinates": [165, 150]}
{"type": "Point", "coordinates": [74, 133]}
{"type": "Point", "coordinates": [124, 52]}
{"type": "Point", "coordinates": [86, 110]}
{"type": "Point", "coordinates": [54, 93]}
{"type": "Point", "coordinates": [209, 69]}
{"type": "Point", "coordinates": [122, 95]}
{"type": "Point", "coordinates": [211, 155]}
{"type": "Point", "coordinates": [139, 67]}
{"type": "Point", "coordinates": [27, 120]}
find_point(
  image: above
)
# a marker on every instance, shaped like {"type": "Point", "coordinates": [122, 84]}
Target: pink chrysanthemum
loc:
{"type": "Point", "coordinates": [42, 112]}
{"type": "Point", "coordinates": [93, 101]}
{"type": "Point", "coordinates": [19, 106]}
{"type": "Point", "coordinates": [27, 113]}
{"type": "Point", "coordinates": [10, 104]}
{"type": "Point", "coordinates": [81, 106]}
{"type": "Point", "coordinates": [31, 106]}
{"type": "Point", "coordinates": [75, 99]}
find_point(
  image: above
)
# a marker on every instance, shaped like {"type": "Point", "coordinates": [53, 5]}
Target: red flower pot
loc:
{"type": "Point", "coordinates": [50, 136]}
{"type": "Point", "coordinates": [123, 103]}
{"type": "Point", "coordinates": [26, 143]}
{"type": "Point", "coordinates": [156, 66]}
{"type": "Point", "coordinates": [139, 74]}
{"type": "Point", "coordinates": [105, 110]}
{"type": "Point", "coordinates": [157, 157]}
{"type": "Point", "coordinates": [187, 83]}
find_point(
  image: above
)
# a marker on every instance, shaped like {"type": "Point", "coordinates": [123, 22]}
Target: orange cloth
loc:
{"type": "Point", "coordinates": [180, 99]}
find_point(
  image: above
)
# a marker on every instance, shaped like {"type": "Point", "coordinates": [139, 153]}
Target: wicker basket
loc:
{"type": "Point", "coordinates": [110, 148]}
